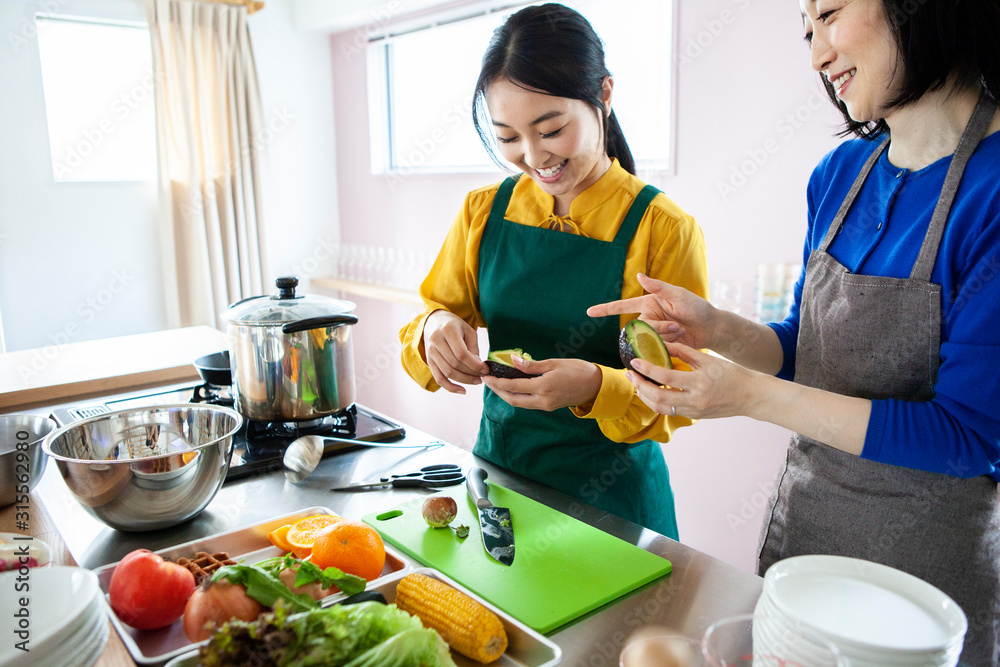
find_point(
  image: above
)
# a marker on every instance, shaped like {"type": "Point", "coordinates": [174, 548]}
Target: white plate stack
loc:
{"type": "Point", "coordinates": [876, 615]}
{"type": "Point", "coordinates": [66, 617]}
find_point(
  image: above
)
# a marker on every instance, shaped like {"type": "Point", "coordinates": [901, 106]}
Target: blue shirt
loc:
{"type": "Point", "coordinates": [958, 431]}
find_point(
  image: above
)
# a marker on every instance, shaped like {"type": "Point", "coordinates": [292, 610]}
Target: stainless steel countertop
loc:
{"type": "Point", "coordinates": [698, 592]}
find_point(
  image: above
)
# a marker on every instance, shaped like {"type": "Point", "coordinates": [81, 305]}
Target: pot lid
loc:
{"type": "Point", "coordinates": [285, 306]}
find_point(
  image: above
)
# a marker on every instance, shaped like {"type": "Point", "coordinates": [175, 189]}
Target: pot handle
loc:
{"type": "Point", "coordinates": [318, 323]}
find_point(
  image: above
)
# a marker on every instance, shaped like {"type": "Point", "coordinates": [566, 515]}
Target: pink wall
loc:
{"type": "Point", "coordinates": [748, 115]}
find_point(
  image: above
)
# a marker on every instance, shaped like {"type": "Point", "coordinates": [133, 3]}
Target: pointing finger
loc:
{"type": "Point", "coordinates": [621, 307]}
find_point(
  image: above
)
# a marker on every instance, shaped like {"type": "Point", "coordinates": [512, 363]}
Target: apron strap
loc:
{"type": "Point", "coordinates": [634, 215]}
{"type": "Point", "coordinates": [502, 198]}
{"type": "Point", "coordinates": [974, 133]}
{"type": "Point", "coordinates": [852, 194]}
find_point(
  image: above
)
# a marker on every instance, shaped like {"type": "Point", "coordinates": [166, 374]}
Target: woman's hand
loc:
{"type": "Point", "coordinates": [451, 348]}
{"type": "Point", "coordinates": [715, 387]}
{"type": "Point", "coordinates": [712, 388]}
{"type": "Point", "coordinates": [675, 313]}
{"type": "Point", "coordinates": [560, 383]}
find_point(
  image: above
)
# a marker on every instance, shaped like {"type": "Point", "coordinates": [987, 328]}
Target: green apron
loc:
{"type": "Point", "coordinates": [535, 285]}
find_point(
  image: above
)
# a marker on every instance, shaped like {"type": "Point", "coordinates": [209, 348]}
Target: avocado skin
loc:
{"type": "Point", "coordinates": [499, 370]}
{"type": "Point", "coordinates": [627, 353]}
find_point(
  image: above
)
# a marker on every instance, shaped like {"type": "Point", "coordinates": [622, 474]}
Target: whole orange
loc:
{"type": "Point", "coordinates": [351, 546]}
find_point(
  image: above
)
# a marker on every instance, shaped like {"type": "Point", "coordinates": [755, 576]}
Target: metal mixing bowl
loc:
{"type": "Point", "coordinates": [22, 460]}
{"type": "Point", "coordinates": [146, 468]}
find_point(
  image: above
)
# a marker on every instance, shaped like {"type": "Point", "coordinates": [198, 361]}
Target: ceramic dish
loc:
{"type": "Point", "coordinates": [878, 616]}
{"type": "Point", "coordinates": [85, 644]}
{"type": "Point", "coordinates": [63, 602]}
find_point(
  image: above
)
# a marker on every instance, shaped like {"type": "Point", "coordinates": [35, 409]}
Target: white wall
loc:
{"type": "Point", "coordinates": [79, 261]}
{"type": "Point", "coordinates": [749, 115]}
{"type": "Point", "coordinates": [301, 201]}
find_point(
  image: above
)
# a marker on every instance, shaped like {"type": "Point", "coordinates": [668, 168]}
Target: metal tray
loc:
{"type": "Point", "coordinates": [249, 545]}
{"type": "Point", "coordinates": [525, 647]}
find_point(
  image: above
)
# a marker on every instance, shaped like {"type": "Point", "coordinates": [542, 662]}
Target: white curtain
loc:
{"type": "Point", "coordinates": [209, 125]}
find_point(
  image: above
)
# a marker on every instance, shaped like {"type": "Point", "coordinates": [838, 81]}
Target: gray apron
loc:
{"type": "Point", "coordinates": [877, 338]}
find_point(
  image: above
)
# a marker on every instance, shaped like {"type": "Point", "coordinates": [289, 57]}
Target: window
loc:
{"type": "Point", "coordinates": [97, 80]}
{"type": "Point", "coordinates": [421, 77]}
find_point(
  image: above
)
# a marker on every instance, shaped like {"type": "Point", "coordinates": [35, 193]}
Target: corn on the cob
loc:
{"type": "Point", "coordinates": [467, 626]}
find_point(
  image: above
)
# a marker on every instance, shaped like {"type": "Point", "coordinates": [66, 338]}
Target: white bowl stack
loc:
{"type": "Point", "coordinates": [876, 615]}
{"type": "Point", "coordinates": [68, 621]}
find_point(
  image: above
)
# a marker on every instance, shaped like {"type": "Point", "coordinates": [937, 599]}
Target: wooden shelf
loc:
{"type": "Point", "coordinates": [380, 292]}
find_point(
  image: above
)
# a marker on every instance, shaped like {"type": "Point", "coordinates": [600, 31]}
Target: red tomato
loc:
{"type": "Point", "coordinates": [210, 607]}
{"type": "Point", "coordinates": [148, 592]}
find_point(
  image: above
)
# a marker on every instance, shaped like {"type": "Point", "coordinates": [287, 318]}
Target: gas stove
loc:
{"type": "Point", "coordinates": [258, 446]}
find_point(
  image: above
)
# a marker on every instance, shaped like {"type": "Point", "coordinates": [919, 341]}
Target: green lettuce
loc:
{"type": "Point", "coordinates": [417, 647]}
{"type": "Point", "coordinates": [307, 572]}
{"type": "Point", "coordinates": [367, 634]}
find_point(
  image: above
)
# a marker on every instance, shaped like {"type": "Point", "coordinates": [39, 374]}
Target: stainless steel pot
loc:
{"type": "Point", "coordinates": [292, 357]}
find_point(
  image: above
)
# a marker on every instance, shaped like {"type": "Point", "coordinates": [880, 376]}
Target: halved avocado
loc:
{"type": "Point", "coordinates": [639, 340]}
{"type": "Point", "coordinates": [501, 367]}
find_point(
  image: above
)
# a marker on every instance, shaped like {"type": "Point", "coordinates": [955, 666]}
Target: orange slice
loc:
{"type": "Point", "coordinates": [279, 537]}
{"type": "Point", "coordinates": [302, 534]}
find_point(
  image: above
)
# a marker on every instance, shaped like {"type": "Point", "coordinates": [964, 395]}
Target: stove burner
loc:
{"type": "Point", "coordinates": [260, 445]}
{"type": "Point", "coordinates": [213, 394]}
{"type": "Point", "coordinates": [342, 424]}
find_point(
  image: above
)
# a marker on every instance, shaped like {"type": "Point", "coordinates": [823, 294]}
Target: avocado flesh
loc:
{"type": "Point", "coordinates": [639, 340]}
{"type": "Point", "coordinates": [501, 367]}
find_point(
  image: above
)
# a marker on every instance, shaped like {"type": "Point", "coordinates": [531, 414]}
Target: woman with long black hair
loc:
{"type": "Point", "coordinates": [893, 342]}
{"type": "Point", "coordinates": [525, 257]}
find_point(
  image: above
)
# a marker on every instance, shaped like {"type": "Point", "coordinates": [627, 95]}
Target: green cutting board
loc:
{"type": "Point", "coordinates": [563, 568]}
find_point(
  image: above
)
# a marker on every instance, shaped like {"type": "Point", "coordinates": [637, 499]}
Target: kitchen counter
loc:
{"type": "Point", "coordinates": [698, 592]}
{"type": "Point", "coordinates": [68, 371]}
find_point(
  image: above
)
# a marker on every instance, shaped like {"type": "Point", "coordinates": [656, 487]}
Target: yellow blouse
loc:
{"type": "Point", "coordinates": [668, 245]}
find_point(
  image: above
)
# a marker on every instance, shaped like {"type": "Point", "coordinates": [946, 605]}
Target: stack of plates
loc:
{"type": "Point", "coordinates": [876, 615]}
{"type": "Point", "coordinates": [67, 623]}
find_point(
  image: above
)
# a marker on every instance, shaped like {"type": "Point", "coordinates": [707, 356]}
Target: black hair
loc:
{"type": "Point", "coordinates": [552, 49]}
{"type": "Point", "coordinates": [937, 40]}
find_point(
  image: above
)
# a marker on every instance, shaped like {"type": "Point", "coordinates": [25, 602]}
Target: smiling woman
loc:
{"type": "Point", "coordinates": [556, 140]}
{"type": "Point", "coordinates": [853, 45]}
{"type": "Point", "coordinates": [525, 257]}
{"type": "Point", "coordinates": [886, 366]}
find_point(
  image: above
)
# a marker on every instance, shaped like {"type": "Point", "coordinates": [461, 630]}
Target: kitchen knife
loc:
{"type": "Point", "coordinates": [498, 531]}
